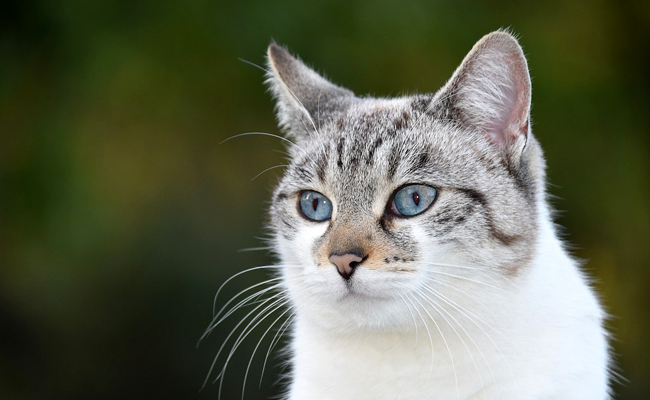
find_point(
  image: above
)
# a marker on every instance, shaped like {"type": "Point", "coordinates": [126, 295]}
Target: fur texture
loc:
{"type": "Point", "coordinates": [475, 298]}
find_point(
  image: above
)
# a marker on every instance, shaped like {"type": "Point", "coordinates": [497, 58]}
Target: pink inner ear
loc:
{"type": "Point", "coordinates": [511, 119]}
{"type": "Point", "coordinates": [506, 113]}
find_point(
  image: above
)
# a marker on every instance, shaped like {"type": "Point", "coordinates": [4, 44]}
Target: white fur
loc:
{"type": "Point", "coordinates": [537, 336]}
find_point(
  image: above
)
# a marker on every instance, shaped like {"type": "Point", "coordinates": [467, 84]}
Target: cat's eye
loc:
{"type": "Point", "coordinates": [412, 200]}
{"type": "Point", "coordinates": [315, 206]}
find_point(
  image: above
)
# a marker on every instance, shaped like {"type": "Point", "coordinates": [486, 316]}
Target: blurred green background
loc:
{"type": "Point", "coordinates": [121, 214]}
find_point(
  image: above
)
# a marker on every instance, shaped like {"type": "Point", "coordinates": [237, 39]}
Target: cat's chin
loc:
{"type": "Point", "coordinates": [359, 312]}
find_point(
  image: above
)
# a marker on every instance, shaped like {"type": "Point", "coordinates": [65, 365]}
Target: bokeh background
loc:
{"type": "Point", "coordinates": [121, 213]}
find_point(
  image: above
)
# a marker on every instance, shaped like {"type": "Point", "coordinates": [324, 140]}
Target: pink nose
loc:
{"type": "Point", "coordinates": [346, 263]}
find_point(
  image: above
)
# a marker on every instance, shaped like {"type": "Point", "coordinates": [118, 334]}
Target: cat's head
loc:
{"type": "Point", "coordinates": [390, 202]}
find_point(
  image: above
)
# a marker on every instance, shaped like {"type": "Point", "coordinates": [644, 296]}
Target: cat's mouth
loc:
{"type": "Point", "coordinates": [374, 285]}
{"type": "Point", "coordinates": [355, 291]}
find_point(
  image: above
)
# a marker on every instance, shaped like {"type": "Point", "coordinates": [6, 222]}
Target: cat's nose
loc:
{"type": "Point", "coordinates": [346, 263]}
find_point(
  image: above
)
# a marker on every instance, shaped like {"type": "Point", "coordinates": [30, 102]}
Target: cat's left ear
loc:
{"type": "Point", "coordinates": [491, 92]}
{"type": "Point", "coordinates": [305, 100]}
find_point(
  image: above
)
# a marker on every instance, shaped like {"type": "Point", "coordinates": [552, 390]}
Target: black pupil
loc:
{"type": "Point", "coordinates": [315, 204]}
{"type": "Point", "coordinates": [416, 198]}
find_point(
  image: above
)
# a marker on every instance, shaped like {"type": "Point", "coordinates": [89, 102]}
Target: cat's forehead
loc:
{"type": "Point", "coordinates": [374, 116]}
{"type": "Point", "coordinates": [377, 144]}
{"type": "Point", "coordinates": [407, 123]}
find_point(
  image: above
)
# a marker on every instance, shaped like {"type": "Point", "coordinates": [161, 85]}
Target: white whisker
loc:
{"type": "Point", "coordinates": [474, 281]}
{"type": "Point", "coordinates": [471, 317]}
{"type": "Point", "coordinates": [259, 134]}
{"type": "Point", "coordinates": [489, 271]}
{"type": "Point", "coordinates": [268, 169]}
{"type": "Point", "coordinates": [252, 64]}
{"type": "Point", "coordinates": [242, 303]}
{"type": "Point", "coordinates": [442, 336]}
{"type": "Point", "coordinates": [415, 324]}
{"type": "Point", "coordinates": [251, 299]}
{"type": "Point", "coordinates": [276, 305]}
{"type": "Point", "coordinates": [273, 267]}
{"type": "Point", "coordinates": [464, 310]}
{"type": "Point", "coordinates": [274, 342]}
{"type": "Point", "coordinates": [256, 347]}
{"type": "Point", "coordinates": [426, 326]}
{"type": "Point", "coordinates": [214, 301]}
{"type": "Point", "coordinates": [255, 249]}
{"type": "Point", "coordinates": [440, 311]}
{"type": "Point", "coordinates": [232, 333]}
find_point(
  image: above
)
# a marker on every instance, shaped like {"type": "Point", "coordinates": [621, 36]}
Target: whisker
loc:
{"type": "Point", "coordinates": [415, 324]}
{"type": "Point", "coordinates": [232, 332]}
{"type": "Point", "coordinates": [479, 302]}
{"type": "Point", "coordinates": [254, 249]}
{"type": "Point", "coordinates": [309, 117]}
{"type": "Point", "coordinates": [473, 268]}
{"type": "Point", "coordinates": [259, 134]}
{"type": "Point", "coordinates": [248, 301]}
{"type": "Point", "coordinates": [463, 311]}
{"type": "Point", "coordinates": [450, 302]}
{"type": "Point", "coordinates": [489, 275]}
{"type": "Point", "coordinates": [216, 296]}
{"type": "Point", "coordinates": [306, 112]}
{"type": "Point", "coordinates": [274, 342]}
{"type": "Point", "coordinates": [244, 302]}
{"type": "Point", "coordinates": [252, 64]}
{"type": "Point", "coordinates": [276, 267]}
{"type": "Point", "coordinates": [426, 326]}
{"type": "Point", "coordinates": [268, 169]}
{"type": "Point", "coordinates": [451, 357]}
{"type": "Point", "coordinates": [256, 347]}
{"type": "Point", "coordinates": [439, 308]}
{"type": "Point", "coordinates": [276, 305]}
{"type": "Point", "coordinates": [304, 109]}
{"type": "Point", "coordinates": [474, 281]}
{"type": "Point", "coordinates": [487, 270]}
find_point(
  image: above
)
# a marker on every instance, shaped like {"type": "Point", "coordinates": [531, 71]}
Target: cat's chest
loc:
{"type": "Point", "coordinates": [391, 366]}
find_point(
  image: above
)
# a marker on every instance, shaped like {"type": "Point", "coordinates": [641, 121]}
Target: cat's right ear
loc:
{"type": "Point", "coordinates": [490, 92]}
{"type": "Point", "coordinates": [304, 99]}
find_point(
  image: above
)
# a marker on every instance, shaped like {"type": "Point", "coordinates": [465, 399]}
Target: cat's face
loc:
{"type": "Point", "coordinates": [387, 203]}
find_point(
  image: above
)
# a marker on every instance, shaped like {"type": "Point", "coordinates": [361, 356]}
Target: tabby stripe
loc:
{"type": "Point", "coordinates": [371, 153]}
{"type": "Point", "coordinates": [499, 235]}
{"type": "Point", "coordinates": [393, 162]}
{"type": "Point", "coordinates": [522, 178]}
{"type": "Point", "coordinates": [321, 166]}
{"type": "Point", "coordinates": [339, 151]}
{"type": "Point", "coordinates": [422, 162]}
{"type": "Point", "coordinates": [281, 196]}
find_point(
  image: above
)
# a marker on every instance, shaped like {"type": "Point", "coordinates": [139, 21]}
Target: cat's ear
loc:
{"type": "Point", "coordinates": [304, 99]}
{"type": "Point", "coordinates": [490, 91]}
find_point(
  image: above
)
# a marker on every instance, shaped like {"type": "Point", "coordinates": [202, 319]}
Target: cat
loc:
{"type": "Point", "coordinates": [418, 253]}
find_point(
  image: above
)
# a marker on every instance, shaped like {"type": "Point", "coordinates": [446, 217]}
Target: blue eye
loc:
{"type": "Point", "coordinates": [412, 200]}
{"type": "Point", "coordinates": [315, 206]}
